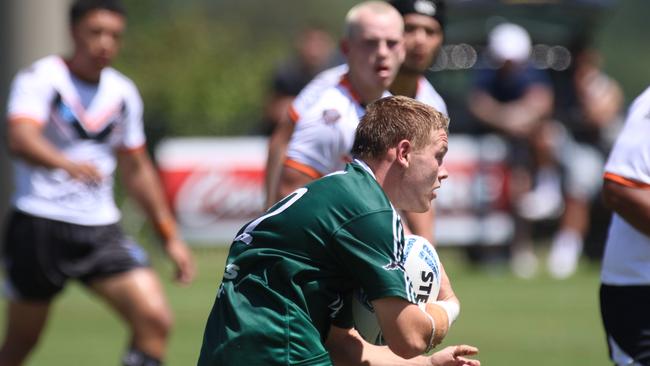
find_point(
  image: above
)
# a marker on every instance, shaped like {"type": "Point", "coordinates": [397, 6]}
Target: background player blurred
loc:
{"type": "Point", "coordinates": [423, 37]}
{"type": "Point", "coordinates": [324, 130]}
{"type": "Point", "coordinates": [552, 176]}
{"type": "Point", "coordinates": [70, 122]}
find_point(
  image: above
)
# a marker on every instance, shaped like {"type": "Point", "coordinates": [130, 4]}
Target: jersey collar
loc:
{"type": "Point", "coordinates": [365, 167]}
{"type": "Point", "coordinates": [345, 83]}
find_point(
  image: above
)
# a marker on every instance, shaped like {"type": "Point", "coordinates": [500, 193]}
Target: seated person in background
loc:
{"type": "Point", "coordinates": [513, 99]}
{"type": "Point", "coordinates": [589, 104]}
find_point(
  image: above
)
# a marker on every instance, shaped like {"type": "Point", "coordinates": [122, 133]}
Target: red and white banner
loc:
{"type": "Point", "coordinates": [216, 185]}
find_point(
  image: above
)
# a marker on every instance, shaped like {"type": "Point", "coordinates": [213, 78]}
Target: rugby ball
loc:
{"type": "Point", "coordinates": [422, 267]}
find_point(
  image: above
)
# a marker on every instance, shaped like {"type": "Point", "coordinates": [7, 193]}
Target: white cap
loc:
{"type": "Point", "coordinates": [509, 42]}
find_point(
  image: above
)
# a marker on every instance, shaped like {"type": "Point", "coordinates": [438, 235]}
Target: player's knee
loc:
{"type": "Point", "coordinates": [161, 321]}
{"type": "Point", "coordinates": [158, 320]}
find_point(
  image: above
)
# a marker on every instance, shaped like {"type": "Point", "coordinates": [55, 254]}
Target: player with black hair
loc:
{"type": "Point", "coordinates": [424, 22]}
{"type": "Point", "coordinates": [71, 122]}
{"type": "Point", "coordinates": [80, 8]}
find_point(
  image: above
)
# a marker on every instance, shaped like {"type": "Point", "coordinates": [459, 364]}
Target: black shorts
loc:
{"type": "Point", "coordinates": [40, 255]}
{"type": "Point", "coordinates": [626, 316]}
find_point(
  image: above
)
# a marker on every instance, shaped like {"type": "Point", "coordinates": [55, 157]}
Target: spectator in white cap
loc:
{"type": "Point", "coordinates": [551, 175]}
{"type": "Point", "coordinates": [509, 42]}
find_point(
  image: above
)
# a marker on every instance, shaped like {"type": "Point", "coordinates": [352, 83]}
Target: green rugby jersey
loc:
{"type": "Point", "coordinates": [290, 273]}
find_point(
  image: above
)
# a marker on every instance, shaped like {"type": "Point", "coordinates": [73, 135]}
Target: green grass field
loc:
{"type": "Point", "coordinates": [535, 322]}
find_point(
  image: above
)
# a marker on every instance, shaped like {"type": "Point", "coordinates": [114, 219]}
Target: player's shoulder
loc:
{"type": "Point", "coordinates": [313, 91]}
{"type": "Point", "coordinates": [48, 63]}
{"type": "Point", "coordinates": [46, 69]}
{"type": "Point", "coordinates": [332, 98]}
{"type": "Point", "coordinates": [119, 84]}
{"type": "Point", "coordinates": [355, 186]}
{"type": "Point", "coordinates": [114, 76]}
{"type": "Point", "coordinates": [637, 121]}
{"type": "Point", "coordinates": [427, 94]}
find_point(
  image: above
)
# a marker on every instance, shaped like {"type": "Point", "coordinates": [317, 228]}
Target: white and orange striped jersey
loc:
{"type": "Point", "coordinates": [87, 123]}
{"type": "Point", "coordinates": [326, 114]}
{"type": "Point", "coordinates": [627, 252]}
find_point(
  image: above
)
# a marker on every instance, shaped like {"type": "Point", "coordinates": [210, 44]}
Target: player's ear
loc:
{"type": "Point", "coordinates": [403, 152]}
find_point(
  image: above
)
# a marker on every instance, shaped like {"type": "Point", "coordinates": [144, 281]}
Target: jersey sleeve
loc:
{"type": "Point", "coordinates": [629, 159]}
{"type": "Point", "coordinates": [133, 134]}
{"type": "Point", "coordinates": [311, 93]}
{"type": "Point", "coordinates": [30, 96]}
{"type": "Point", "coordinates": [316, 144]}
{"type": "Point", "coordinates": [372, 248]}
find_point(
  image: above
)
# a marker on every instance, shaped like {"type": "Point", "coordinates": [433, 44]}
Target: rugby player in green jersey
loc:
{"type": "Point", "coordinates": [286, 293]}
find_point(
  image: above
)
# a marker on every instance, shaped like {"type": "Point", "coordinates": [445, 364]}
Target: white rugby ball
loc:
{"type": "Point", "coordinates": [422, 266]}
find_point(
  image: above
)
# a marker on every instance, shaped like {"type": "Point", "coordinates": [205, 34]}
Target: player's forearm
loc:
{"type": "Point", "coordinates": [26, 142]}
{"type": "Point", "coordinates": [407, 329]}
{"type": "Point", "coordinates": [277, 150]}
{"type": "Point", "coordinates": [348, 348]}
{"type": "Point", "coordinates": [276, 153]}
{"type": "Point", "coordinates": [538, 101]}
{"type": "Point", "coordinates": [144, 186]}
{"type": "Point", "coordinates": [486, 109]}
{"type": "Point", "coordinates": [382, 356]}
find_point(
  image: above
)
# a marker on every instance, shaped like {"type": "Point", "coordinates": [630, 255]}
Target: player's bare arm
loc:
{"type": "Point", "coordinates": [633, 204]}
{"type": "Point", "coordinates": [515, 118]}
{"type": "Point", "coordinates": [290, 180]}
{"type": "Point", "coordinates": [407, 330]}
{"type": "Point", "coordinates": [25, 140]}
{"type": "Point", "coordinates": [348, 348]}
{"type": "Point", "coordinates": [523, 115]}
{"type": "Point", "coordinates": [143, 184]}
{"type": "Point", "coordinates": [278, 143]}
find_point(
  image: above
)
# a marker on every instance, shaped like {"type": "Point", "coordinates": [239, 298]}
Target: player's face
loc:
{"type": "Point", "coordinates": [422, 39]}
{"type": "Point", "coordinates": [97, 37]}
{"type": "Point", "coordinates": [425, 173]}
{"type": "Point", "coordinates": [376, 50]}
